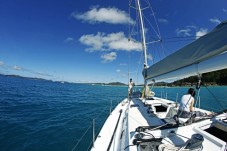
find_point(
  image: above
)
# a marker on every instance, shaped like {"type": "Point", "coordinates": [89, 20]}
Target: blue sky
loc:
{"type": "Point", "coordinates": [86, 41]}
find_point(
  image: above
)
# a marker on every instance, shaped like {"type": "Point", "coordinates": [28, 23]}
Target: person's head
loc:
{"type": "Point", "coordinates": [130, 80]}
{"type": "Point", "coordinates": [191, 91]}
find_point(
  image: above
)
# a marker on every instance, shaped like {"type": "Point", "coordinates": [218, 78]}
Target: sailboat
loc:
{"type": "Point", "coordinates": [152, 123]}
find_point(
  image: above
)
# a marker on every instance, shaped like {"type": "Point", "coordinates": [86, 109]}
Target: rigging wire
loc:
{"type": "Point", "coordinates": [89, 146]}
{"type": "Point", "coordinates": [131, 33]}
{"type": "Point", "coordinates": [198, 85]}
{"type": "Point", "coordinates": [178, 40]}
{"type": "Point", "coordinates": [215, 97]}
{"type": "Point", "coordinates": [198, 99]}
{"type": "Point", "coordinates": [155, 20]}
{"type": "Point", "coordinates": [78, 142]}
{"type": "Point", "coordinates": [81, 138]}
{"type": "Point", "coordinates": [137, 17]}
{"type": "Point", "coordinates": [157, 30]}
{"type": "Point", "coordinates": [139, 64]}
{"type": "Point", "coordinates": [163, 50]}
{"type": "Point", "coordinates": [151, 25]}
{"type": "Point", "coordinates": [141, 56]}
{"type": "Point", "coordinates": [129, 38]}
{"type": "Point", "coordinates": [159, 33]}
{"type": "Point", "coordinates": [181, 37]}
{"type": "Point", "coordinates": [159, 53]}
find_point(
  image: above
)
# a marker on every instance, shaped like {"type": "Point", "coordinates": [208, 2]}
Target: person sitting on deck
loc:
{"type": "Point", "coordinates": [186, 109]}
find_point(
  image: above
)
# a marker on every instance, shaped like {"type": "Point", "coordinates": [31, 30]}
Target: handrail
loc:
{"type": "Point", "coordinates": [93, 132]}
{"type": "Point", "coordinates": [110, 106]}
{"type": "Point", "coordinates": [114, 131]}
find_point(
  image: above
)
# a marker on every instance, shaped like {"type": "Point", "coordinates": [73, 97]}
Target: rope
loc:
{"type": "Point", "coordinates": [158, 127]}
{"type": "Point", "coordinates": [180, 135]}
{"type": "Point", "coordinates": [149, 134]}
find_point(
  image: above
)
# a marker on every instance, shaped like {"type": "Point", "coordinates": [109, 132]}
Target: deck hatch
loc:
{"type": "Point", "coordinates": [217, 132]}
{"type": "Point", "coordinates": [160, 108]}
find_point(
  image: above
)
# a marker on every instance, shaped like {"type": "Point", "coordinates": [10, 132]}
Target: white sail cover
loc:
{"type": "Point", "coordinates": [206, 47]}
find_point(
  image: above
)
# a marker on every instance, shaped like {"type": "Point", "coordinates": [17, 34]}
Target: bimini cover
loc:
{"type": "Point", "coordinates": [207, 46]}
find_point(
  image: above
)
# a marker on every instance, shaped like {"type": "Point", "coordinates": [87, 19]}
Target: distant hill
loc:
{"type": "Point", "coordinates": [111, 83]}
{"type": "Point", "coordinates": [116, 83]}
{"type": "Point", "coordinates": [212, 78]}
{"type": "Point", "coordinates": [18, 76]}
{"type": "Point", "coordinates": [28, 78]}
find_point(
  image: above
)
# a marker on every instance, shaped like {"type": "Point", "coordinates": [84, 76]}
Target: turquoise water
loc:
{"type": "Point", "coordinates": [37, 115]}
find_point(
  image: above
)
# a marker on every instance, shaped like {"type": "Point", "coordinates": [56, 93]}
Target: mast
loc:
{"type": "Point", "coordinates": [142, 33]}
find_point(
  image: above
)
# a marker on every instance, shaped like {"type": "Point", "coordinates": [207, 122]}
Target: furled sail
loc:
{"type": "Point", "coordinates": [208, 53]}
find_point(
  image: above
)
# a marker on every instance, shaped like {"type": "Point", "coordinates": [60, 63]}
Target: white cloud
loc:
{"type": "Point", "coordinates": [124, 44]}
{"type": "Point", "coordinates": [149, 57]}
{"type": "Point", "coordinates": [109, 57]}
{"type": "Point", "coordinates": [192, 30]}
{"type": "Point", "coordinates": [94, 41]}
{"type": "Point", "coordinates": [118, 70]}
{"type": "Point", "coordinates": [123, 75]}
{"type": "Point", "coordinates": [201, 32]}
{"type": "Point", "coordinates": [110, 15]}
{"type": "Point", "coordinates": [69, 39]}
{"type": "Point", "coordinates": [19, 68]}
{"type": "Point", "coordinates": [113, 41]}
{"type": "Point", "coordinates": [215, 20]}
{"type": "Point", "coordinates": [183, 32]}
{"type": "Point", "coordinates": [162, 20]}
{"type": "Point", "coordinates": [123, 64]}
{"type": "Point", "coordinates": [42, 74]}
{"type": "Point", "coordinates": [224, 10]}
{"type": "Point", "coordinates": [1, 63]}
{"type": "Point", "coordinates": [16, 68]}
{"type": "Point", "coordinates": [191, 27]}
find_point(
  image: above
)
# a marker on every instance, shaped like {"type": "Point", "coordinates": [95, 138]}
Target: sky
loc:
{"type": "Point", "coordinates": [87, 41]}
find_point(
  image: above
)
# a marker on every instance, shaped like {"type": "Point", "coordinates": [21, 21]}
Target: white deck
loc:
{"type": "Point", "coordinates": [134, 114]}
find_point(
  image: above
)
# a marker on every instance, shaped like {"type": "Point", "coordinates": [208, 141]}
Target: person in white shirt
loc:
{"type": "Point", "coordinates": [130, 87]}
{"type": "Point", "coordinates": [186, 109]}
{"type": "Point", "coordinates": [187, 101]}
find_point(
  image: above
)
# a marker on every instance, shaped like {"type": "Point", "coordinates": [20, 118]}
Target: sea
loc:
{"type": "Point", "coordinates": [41, 115]}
